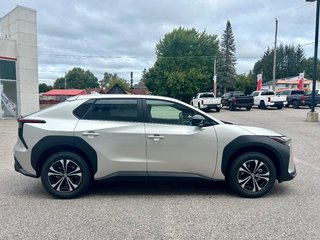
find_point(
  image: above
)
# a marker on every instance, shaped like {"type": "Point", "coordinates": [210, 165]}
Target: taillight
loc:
{"type": "Point", "coordinates": [269, 99]}
{"type": "Point", "coordinates": [202, 103]}
{"type": "Point", "coordinates": [302, 98]}
{"type": "Point", "coordinates": [21, 122]}
{"type": "Point", "coordinates": [234, 100]}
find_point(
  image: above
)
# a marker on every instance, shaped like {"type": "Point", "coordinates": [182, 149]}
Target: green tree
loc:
{"type": "Point", "coordinates": [227, 61]}
{"type": "Point", "coordinates": [184, 64]}
{"type": "Point", "coordinates": [44, 87]}
{"type": "Point", "coordinates": [77, 78]}
{"type": "Point", "coordinates": [109, 80]}
{"type": "Point", "coordinates": [290, 62]}
{"type": "Point", "coordinates": [308, 68]}
{"type": "Point", "coordinates": [59, 83]}
{"type": "Point", "coordinates": [246, 83]}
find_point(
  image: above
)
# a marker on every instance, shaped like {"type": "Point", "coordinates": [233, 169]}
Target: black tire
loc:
{"type": "Point", "coordinates": [217, 109]}
{"type": "Point", "coordinates": [65, 175]}
{"type": "Point", "coordinates": [295, 104]}
{"type": "Point", "coordinates": [247, 180]}
{"type": "Point", "coordinates": [262, 105]}
{"type": "Point", "coordinates": [248, 108]}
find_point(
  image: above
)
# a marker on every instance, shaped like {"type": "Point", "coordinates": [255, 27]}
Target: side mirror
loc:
{"type": "Point", "coordinates": [197, 120]}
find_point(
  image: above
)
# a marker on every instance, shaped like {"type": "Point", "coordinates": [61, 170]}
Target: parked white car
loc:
{"type": "Point", "coordinates": [100, 137]}
{"type": "Point", "coordinates": [206, 101]}
{"type": "Point", "coordinates": [264, 99]}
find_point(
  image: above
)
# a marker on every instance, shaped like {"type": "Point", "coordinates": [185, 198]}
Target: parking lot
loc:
{"type": "Point", "coordinates": [171, 210]}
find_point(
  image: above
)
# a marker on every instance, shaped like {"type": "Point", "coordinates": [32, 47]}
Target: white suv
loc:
{"type": "Point", "coordinates": [103, 136]}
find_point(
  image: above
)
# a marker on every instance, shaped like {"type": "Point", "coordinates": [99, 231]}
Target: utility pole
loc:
{"type": "Point", "coordinates": [215, 76]}
{"type": "Point", "coordinates": [275, 56]}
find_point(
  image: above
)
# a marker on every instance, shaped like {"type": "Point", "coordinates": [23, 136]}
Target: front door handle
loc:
{"type": "Point", "coordinates": [156, 137]}
{"type": "Point", "coordinates": [90, 134]}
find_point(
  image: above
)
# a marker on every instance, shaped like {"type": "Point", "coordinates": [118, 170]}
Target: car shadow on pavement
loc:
{"type": "Point", "coordinates": [124, 188]}
{"type": "Point", "coordinates": [159, 187]}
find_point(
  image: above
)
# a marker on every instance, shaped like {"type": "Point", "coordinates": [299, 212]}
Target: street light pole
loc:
{"type": "Point", "coordinates": [313, 116]}
{"type": "Point", "coordinates": [315, 60]}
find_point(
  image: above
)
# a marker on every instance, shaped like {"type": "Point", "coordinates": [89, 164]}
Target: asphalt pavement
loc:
{"type": "Point", "coordinates": [170, 210]}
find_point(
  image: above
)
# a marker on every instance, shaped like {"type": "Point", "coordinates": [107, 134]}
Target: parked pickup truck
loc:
{"type": "Point", "coordinates": [206, 101]}
{"type": "Point", "coordinates": [237, 99]}
{"type": "Point", "coordinates": [264, 99]}
{"type": "Point", "coordinates": [308, 98]}
{"type": "Point", "coordinates": [295, 98]}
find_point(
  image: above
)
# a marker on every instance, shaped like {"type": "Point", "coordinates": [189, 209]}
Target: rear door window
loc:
{"type": "Point", "coordinates": [114, 110]}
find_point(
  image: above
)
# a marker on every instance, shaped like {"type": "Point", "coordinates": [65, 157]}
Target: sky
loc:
{"type": "Point", "coordinates": [120, 36]}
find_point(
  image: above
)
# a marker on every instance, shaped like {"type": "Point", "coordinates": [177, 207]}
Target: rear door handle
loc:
{"type": "Point", "coordinates": [156, 137]}
{"type": "Point", "coordinates": [90, 134]}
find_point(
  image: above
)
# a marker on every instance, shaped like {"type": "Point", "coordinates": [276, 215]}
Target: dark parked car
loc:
{"type": "Point", "coordinates": [308, 98]}
{"type": "Point", "coordinates": [237, 99]}
{"type": "Point", "coordinates": [295, 98]}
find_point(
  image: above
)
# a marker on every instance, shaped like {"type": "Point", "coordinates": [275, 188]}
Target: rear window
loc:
{"type": "Point", "coordinates": [112, 110]}
{"type": "Point", "coordinates": [267, 93]}
{"type": "Point", "coordinates": [284, 93]}
{"type": "Point", "coordinates": [238, 94]}
{"type": "Point", "coordinates": [297, 92]}
{"type": "Point", "coordinates": [80, 111]}
{"type": "Point", "coordinates": [207, 95]}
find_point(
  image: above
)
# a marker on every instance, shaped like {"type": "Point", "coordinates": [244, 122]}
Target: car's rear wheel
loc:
{"type": "Point", "coordinates": [262, 105]}
{"type": "Point", "coordinates": [295, 104]}
{"type": "Point", "coordinates": [252, 175]}
{"type": "Point", "coordinates": [217, 109]}
{"type": "Point", "coordinates": [65, 175]}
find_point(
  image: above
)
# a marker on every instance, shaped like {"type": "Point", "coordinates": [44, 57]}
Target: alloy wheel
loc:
{"type": "Point", "coordinates": [64, 175]}
{"type": "Point", "coordinates": [253, 175]}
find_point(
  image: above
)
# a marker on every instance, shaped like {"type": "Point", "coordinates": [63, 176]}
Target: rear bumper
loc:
{"type": "Point", "coordinates": [244, 105]}
{"type": "Point", "coordinates": [277, 104]}
{"type": "Point", "coordinates": [19, 169]}
{"type": "Point", "coordinates": [211, 106]}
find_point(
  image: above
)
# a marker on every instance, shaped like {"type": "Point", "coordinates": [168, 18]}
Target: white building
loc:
{"type": "Point", "coordinates": [18, 63]}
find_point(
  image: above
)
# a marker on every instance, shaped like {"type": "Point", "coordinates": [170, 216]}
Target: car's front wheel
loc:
{"type": "Point", "coordinates": [252, 175]}
{"type": "Point", "coordinates": [65, 175]}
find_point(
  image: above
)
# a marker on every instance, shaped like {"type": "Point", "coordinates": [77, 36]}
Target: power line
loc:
{"type": "Point", "coordinates": [293, 10]}
{"type": "Point", "coordinates": [284, 14]}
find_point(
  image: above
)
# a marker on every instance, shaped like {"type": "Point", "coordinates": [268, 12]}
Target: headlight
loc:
{"type": "Point", "coordinates": [283, 140]}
